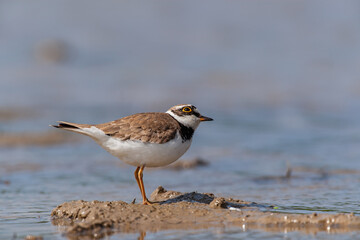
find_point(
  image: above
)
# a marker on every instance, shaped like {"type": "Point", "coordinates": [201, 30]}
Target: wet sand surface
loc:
{"type": "Point", "coordinates": [175, 210]}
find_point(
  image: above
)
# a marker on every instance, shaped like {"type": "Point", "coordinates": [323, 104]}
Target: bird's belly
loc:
{"type": "Point", "coordinates": [137, 153]}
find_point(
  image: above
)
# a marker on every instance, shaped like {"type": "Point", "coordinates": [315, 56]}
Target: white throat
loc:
{"type": "Point", "coordinates": [188, 121]}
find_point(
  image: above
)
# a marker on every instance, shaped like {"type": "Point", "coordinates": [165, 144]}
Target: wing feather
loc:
{"type": "Point", "coordinates": [146, 127]}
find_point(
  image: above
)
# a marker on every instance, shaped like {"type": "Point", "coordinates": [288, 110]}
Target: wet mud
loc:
{"type": "Point", "coordinates": [174, 210]}
{"type": "Point", "coordinates": [305, 173]}
{"type": "Point", "coordinates": [33, 237]}
{"type": "Point", "coordinates": [188, 164]}
{"type": "Point", "coordinates": [34, 139]}
{"type": "Point", "coordinates": [21, 139]}
{"type": "Point", "coordinates": [5, 182]}
{"type": "Point", "coordinates": [7, 114]}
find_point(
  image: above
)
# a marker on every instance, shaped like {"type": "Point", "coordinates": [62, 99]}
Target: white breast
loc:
{"type": "Point", "coordinates": [137, 153]}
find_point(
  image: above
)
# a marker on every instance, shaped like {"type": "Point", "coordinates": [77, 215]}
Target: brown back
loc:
{"type": "Point", "coordinates": [146, 127]}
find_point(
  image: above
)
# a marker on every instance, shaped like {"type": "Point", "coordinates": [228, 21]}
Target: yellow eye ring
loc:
{"type": "Point", "coordinates": [186, 109]}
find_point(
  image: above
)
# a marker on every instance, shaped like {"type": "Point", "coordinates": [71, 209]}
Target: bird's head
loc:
{"type": "Point", "coordinates": [188, 115]}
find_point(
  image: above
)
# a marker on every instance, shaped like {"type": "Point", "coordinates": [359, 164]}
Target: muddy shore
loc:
{"type": "Point", "coordinates": [25, 139]}
{"type": "Point", "coordinates": [174, 210]}
{"type": "Point", "coordinates": [47, 138]}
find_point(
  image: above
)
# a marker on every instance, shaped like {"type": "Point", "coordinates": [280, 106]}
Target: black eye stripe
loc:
{"type": "Point", "coordinates": [196, 114]}
{"type": "Point", "coordinates": [181, 113]}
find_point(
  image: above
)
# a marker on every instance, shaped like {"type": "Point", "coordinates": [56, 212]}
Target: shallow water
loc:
{"type": "Point", "coordinates": [246, 162]}
{"type": "Point", "coordinates": [280, 101]}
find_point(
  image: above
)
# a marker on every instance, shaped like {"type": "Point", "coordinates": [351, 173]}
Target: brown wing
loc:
{"type": "Point", "coordinates": [146, 127]}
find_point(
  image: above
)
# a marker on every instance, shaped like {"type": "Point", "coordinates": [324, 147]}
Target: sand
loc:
{"type": "Point", "coordinates": [174, 210]}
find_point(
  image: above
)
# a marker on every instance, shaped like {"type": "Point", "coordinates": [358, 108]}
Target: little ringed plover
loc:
{"type": "Point", "coordinates": [151, 139]}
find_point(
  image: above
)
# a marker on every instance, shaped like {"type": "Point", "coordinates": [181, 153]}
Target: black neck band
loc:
{"type": "Point", "coordinates": [186, 133]}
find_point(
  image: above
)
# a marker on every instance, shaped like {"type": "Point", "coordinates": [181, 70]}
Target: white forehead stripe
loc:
{"type": "Point", "coordinates": [181, 106]}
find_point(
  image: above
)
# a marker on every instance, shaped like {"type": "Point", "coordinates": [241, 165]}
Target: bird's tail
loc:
{"type": "Point", "coordinates": [73, 127]}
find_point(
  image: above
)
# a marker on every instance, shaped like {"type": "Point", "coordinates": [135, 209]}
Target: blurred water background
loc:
{"type": "Point", "coordinates": [280, 78]}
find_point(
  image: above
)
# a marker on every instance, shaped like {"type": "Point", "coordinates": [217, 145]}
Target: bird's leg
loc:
{"type": "Point", "coordinates": [136, 173]}
{"type": "Point", "coordinates": [142, 188]}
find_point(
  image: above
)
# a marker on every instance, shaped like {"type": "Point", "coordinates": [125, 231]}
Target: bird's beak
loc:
{"type": "Point", "coordinates": [203, 119]}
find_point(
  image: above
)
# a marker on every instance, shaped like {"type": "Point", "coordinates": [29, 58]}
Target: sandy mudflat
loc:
{"type": "Point", "coordinates": [35, 139]}
{"type": "Point", "coordinates": [175, 210]}
{"type": "Point", "coordinates": [10, 114]}
{"type": "Point", "coordinates": [21, 139]}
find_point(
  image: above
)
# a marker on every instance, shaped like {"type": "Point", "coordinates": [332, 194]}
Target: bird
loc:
{"type": "Point", "coordinates": [151, 139]}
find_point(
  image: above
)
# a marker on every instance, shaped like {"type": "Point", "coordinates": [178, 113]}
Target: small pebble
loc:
{"type": "Point", "coordinates": [218, 203]}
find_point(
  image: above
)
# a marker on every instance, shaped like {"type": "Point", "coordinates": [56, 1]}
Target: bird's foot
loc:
{"type": "Point", "coordinates": [147, 202]}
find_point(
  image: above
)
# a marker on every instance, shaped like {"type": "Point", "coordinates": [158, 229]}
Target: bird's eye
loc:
{"type": "Point", "coordinates": [186, 109]}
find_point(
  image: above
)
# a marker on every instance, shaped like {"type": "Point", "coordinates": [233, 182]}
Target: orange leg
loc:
{"type": "Point", "coordinates": [139, 179]}
{"type": "Point", "coordinates": [136, 174]}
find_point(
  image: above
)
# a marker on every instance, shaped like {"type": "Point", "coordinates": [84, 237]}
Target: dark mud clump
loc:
{"type": "Point", "coordinates": [175, 210]}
